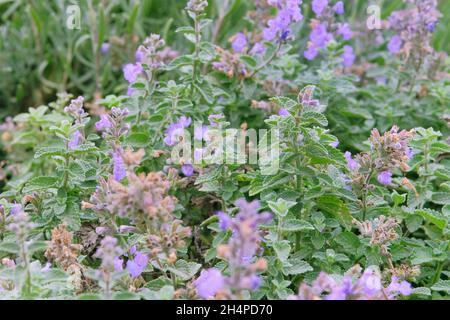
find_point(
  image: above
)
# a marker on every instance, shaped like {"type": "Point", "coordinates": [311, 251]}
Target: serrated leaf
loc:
{"type": "Point", "coordinates": [314, 118]}
{"type": "Point", "coordinates": [49, 151]}
{"type": "Point", "coordinates": [282, 249]}
{"type": "Point", "coordinates": [442, 285]}
{"type": "Point", "coordinates": [9, 247]}
{"type": "Point", "coordinates": [295, 225]}
{"type": "Point", "coordinates": [441, 197]}
{"type": "Point", "coordinates": [432, 216]}
{"type": "Point", "coordinates": [185, 270]}
{"type": "Point", "coordinates": [297, 267]}
{"type": "Point", "coordinates": [40, 183]}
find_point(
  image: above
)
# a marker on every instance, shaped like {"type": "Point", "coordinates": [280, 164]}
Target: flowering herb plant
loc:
{"type": "Point", "coordinates": [294, 155]}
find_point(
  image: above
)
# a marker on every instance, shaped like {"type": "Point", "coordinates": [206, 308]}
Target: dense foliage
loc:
{"type": "Point", "coordinates": [266, 149]}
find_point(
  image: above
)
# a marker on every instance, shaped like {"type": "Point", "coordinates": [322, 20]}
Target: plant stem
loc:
{"type": "Point", "coordinates": [262, 66]}
{"type": "Point", "coordinates": [27, 286]}
{"type": "Point", "coordinates": [196, 53]}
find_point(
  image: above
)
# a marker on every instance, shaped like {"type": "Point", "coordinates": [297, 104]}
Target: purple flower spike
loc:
{"type": "Point", "coordinates": [209, 283]}
{"type": "Point", "coordinates": [105, 48]}
{"type": "Point", "coordinates": [131, 71]}
{"type": "Point", "coordinates": [318, 6]}
{"type": "Point", "coordinates": [334, 144]}
{"type": "Point", "coordinates": [283, 112]}
{"type": "Point", "coordinates": [136, 266]}
{"type": "Point", "coordinates": [75, 139]}
{"type": "Point", "coordinates": [187, 170]}
{"type": "Point", "coordinates": [16, 208]}
{"type": "Point", "coordinates": [345, 31]}
{"type": "Point", "coordinates": [395, 44]}
{"type": "Point", "coordinates": [224, 220]}
{"type": "Point", "coordinates": [119, 169]}
{"type": "Point", "coordinates": [118, 264]}
{"type": "Point", "coordinates": [103, 123]}
{"type": "Point", "coordinates": [239, 42]}
{"type": "Point", "coordinates": [348, 57]}
{"type": "Point", "coordinates": [385, 177]}
{"type": "Point", "coordinates": [351, 164]}
{"type": "Point", "coordinates": [399, 287]}
{"type": "Point", "coordinates": [339, 7]}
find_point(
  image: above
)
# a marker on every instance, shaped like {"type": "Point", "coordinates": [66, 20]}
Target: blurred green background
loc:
{"type": "Point", "coordinates": [40, 56]}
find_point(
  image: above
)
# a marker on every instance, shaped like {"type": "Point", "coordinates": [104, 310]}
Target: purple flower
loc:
{"type": "Point", "coordinates": [185, 122]}
{"type": "Point", "coordinates": [16, 208]}
{"type": "Point", "coordinates": [119, 169]}
{"type": "Point", "coordinates": [209, 283]}
{"type": "Point", "coordinates": [201, 133]}
{"type": "Point", "coordinates": [214, 119]}
{"type": "Point", "coordinates": [339, 7]}
{"type": "Point", "coordinates": [409, 153]}
{"type": "Point", "coordinates": [239, 42]}
{"type": "Point", "coordinates": [311, 52]}
{"type": "Point", "coordinates": [139, 55]}
{"type": "Point", "coordinates": [118, 264]}
{"type": "Point", "coordinates": [283, 112]}
{"type": "Point", "coordinates": [187, 169]}
{"type": "Point", "coordinates": [176, 130]}
{"type": "Point", "coordinates": [320, 37]}
{"type": "Point", "coordinates": [136, 266]}
{"type": "Point", "coordinates": [279, 26]}
{"type": "Point", "coordinates": [348, 57]}
{"type": "Point", "coordinates": [370, 283]}
{"type": "Point", "coordinates": [396, 287]}
{"type": "Point", "coordinates": [103, 123]}
{"type": "Point", "coordinates": [131, 71]}
{"type": "Point", "coordinates": [334, 144]}
{"type": "Point", "coordinates": [101, 230]}
{"type": "Point", "coordinates": [198, 154]}
{"type": "Point", "coordinates": [131, 91]}
{"type": "Point", "coordinates": [318, 6]}
{"type": "Point", "coordinates": [431, 26]}
{"type": "Point", "coordinates": [385, 177]}
{"type": "Point", "coordinates": [345, 31]}
{"type": "Point", "coordinates": [351, 164]}
{"type": "Point", "coordinates": [46, 268]}
{"type": "Point", "coordinates": [258, 48]}
{"type": "Point", "coordinates": [224, 220]}
{"type": "Point", "coordinates": [395, 44]}
{"type": "Point", "coordinates": [105, 48]}
{"type": "Point", "coordinates": [74, 139]}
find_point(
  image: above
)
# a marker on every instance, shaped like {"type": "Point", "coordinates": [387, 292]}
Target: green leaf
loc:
{"type": "Point", "coordinates": [442, 285]}
{"type": "Point", "coordinates": [185, 270]}
{"type": "Point", "coordinates": [9, 247]}
{"type": "Point", "coordinates": [126, 296]}
{"type": "Point", "coordinates": [398, 199]}
{"type": "Point", "coordinates": [166, 293]}
{"type": "Point", "coordinates": [138, 140]}
{"type": "Point", "coordinates": [333, 205]}
{"type": "Point", "coordinates": [441, 198]}
{"type": "Point", "coordinates": [295, 225]}
{"type": "Point", "coordinates": [180, 62]}
{"type": "Point", "coordinates": [281, 207]}
{"type": "Point", "coordinates": [348, 240]}
{"type": "Point", "coordinates": [314, 118]}
{"type": "Point", "coordinates": [49, 151]}
{"type": "Point", "coordinates": [432, 216]}
{"type": "Point", "coordinates": [282, 249]}
{"type": "Point", "coordinates": [90, 296]}
{"type": "Point", "coordinates": [36, 246]}
{"type": "Point", "coordinates": [40, 183]}
{"type": "Point", "coordinates": [297, 266]}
